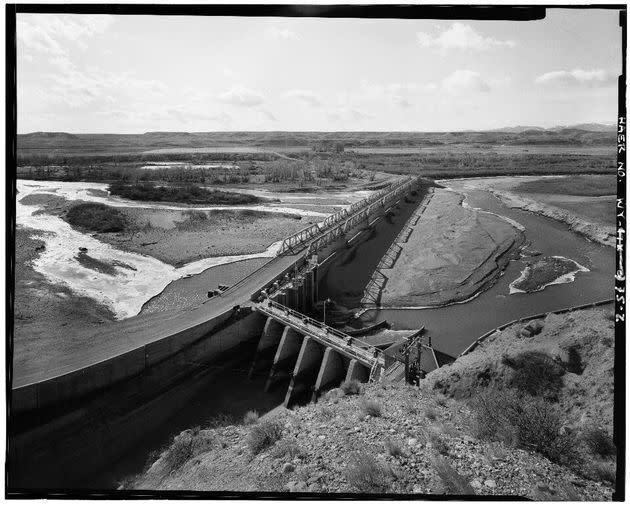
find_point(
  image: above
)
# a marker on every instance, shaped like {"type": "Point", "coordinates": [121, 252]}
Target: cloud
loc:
{"type": "Point", "coordinates": [396, 93]}
{"type": "Point", "coordinates": [579, 78]}
{"type": "Point", "coordinates": [357, 115]}
{"type": "Point", "coordinates": [53, 33]}
{"type": "Point", "coordinates": [75, 87]}
{"type": "Point", "coordinates": [269, 115]}
{"type": "Point", "coordinates": [307, 96]}
{"type": "Point", "coordinates": [468, 81]}
{"type": "Point", "coordinates": [241, 97]}
{"type": "Point", "coordinates": [461, 36]}
{"type": "Point", "coordinates": [277, 33]}
{"type": "Point", "coordinates": [182, 115]}
{"type": "Point", "coordinates": [347, 114]}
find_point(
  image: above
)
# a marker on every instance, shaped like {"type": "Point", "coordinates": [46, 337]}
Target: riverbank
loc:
{"type": "Point", "coordinates": [585, 203]}
{"type": "Point", "coordinates": [596, 232]}
{"type": "Point", "coordinates": [580, 343]}
{"type": "Point", "coordinates": [452, 253]}
{"type": "Point", "coordinates": [49, 319]}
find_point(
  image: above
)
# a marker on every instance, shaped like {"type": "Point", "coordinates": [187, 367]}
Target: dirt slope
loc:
{"type": "Point", "coordinates": [388, 439]}
{"type": "Point", "coordinates": [584, 339]}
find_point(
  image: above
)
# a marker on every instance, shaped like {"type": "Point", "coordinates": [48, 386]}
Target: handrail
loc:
{"type": "Point", "coordinates": [341, 341]}
{"type": "Point", "coordinates": [329, 223]}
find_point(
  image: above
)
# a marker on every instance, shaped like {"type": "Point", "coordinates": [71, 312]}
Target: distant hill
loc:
{"type": "Point", "coordinates": [49, 136]}
{"type": "Point", "coordinates": [589, 127]}
{"type": "Point", "coordinates": [62, 144]}
{"type": "Point", "coordinates": [516, 129]}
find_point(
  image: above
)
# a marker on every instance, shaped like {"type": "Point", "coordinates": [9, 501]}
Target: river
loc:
{"type": "Point", "coordinates": [455, 327]}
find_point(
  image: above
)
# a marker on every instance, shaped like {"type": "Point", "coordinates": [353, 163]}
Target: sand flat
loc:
{"type": "Point", "coordinates": [452, 253]}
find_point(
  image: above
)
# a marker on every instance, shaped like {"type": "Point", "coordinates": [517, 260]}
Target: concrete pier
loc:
{"type": "Point", "coordinates": [286, 356]}
{"type": "Point", "coordinates": [357, 371]}
{"type": "Point", "coordinates": [331, 372]}
{"type": "Point", "coordinates": [306, 369]}
{"type": "Point", "coordinates": [269, 340]}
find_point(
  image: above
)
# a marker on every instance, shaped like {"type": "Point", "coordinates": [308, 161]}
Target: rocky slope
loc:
{"type": "Point", "coordinates": [581, 343]}
{"type": "Point", "coordinates": [394, 438]}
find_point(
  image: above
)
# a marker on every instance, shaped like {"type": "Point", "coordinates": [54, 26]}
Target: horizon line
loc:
{"type": "Point", "coordinates": [465, 130]}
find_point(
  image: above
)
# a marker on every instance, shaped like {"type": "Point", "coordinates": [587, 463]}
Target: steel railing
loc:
{"type": "Point", "coordinates": [301, 237]}
{"type": "Point", "coordinates": [338, 340]}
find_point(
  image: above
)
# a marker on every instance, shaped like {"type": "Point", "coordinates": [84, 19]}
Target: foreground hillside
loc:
{"type": "Point", "coordinates": [503, 432]}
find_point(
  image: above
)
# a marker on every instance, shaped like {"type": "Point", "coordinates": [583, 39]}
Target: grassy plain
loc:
{"type": "Point", "coordinates": [578, 185]}
{"type": "Point", "coordinates": [297, 157]}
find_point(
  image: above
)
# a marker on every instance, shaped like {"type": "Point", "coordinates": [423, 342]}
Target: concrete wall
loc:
{"type": "Point", "coordinates": [101, 375]}
{"type": "Point", "coordinates": [105, 425]}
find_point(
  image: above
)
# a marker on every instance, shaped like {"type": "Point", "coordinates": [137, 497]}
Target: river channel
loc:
{"type": "Point", "coordinates": [455, 327]}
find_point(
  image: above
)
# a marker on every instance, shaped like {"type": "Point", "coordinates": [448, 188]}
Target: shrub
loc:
{"type": "Point", "coordinates": [410, 407]}
{"type": "Point", "coordinates": [351, 387]}
{"type": "Point", "coordinates": [368, 475]}
{"type": "Point", "coordinates": [605, 471]}
{"type": "Point", "coordinates": [196, 215]}
{"type": "Point", "coordinates": [220, 421]}
{"type": "Point", "coordinates": [96, 217]}
{"type": "Point", "coordinates": [599, 442]}
{"type": "Point", "coordinates": [522, 421]}
{"type": "Point", "coordinates": [393, 448]}
{"type": "Point", "coordinates": [189, 193]}
{"type": "Point", "coordinates": [430, 414]}
{"type": "Point", "coordinates": [370, 407]}
{"type": "Point", "coordinates": [452, 480]}
{"type": "Point", "coordinates": [250, 417]}
{"type": "Point", "coordinates": [326, 413]}
{"type": "Point", "coordinates": [535, 373]}
{"type": "Point", "coordinates": [438, 443]}
{"type": "Point", "coordinates": [441, 400]}
{"type": "Point", "coordinates": [185, 446]}
{"type": "Point", "coordinates": [287, 447]}
{"type": "Point", "coordinates": [264, 435]}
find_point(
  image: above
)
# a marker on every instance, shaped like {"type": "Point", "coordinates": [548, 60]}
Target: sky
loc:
{"type": "Point", "coordinates": [133, 74]}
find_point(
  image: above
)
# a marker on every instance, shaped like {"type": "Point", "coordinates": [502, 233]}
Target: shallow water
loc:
{"type": "Point", "coordinates": [455, 327]}
{"type": "Point", "coordinates": [126, 291]}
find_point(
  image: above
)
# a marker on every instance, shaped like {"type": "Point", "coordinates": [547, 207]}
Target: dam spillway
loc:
{"type": "Point", "coordinates": [127, 371]}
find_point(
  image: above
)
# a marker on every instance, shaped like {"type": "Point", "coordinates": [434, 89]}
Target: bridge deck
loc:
{"type": "Point", "coordinates": [120, 337]}
{"type": "Point", "coordinates": [331, 337]}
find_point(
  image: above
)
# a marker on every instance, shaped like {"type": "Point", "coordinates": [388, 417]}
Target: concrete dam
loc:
{"type": "Point", "coordinates": [96, 403]}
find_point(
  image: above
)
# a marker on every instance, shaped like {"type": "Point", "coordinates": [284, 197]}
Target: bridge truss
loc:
{"type": "Point", "coordinates": [336, 225]}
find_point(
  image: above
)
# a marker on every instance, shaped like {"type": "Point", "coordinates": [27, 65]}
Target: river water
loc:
{"type": "Point", "coordinates": [455, 327]}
